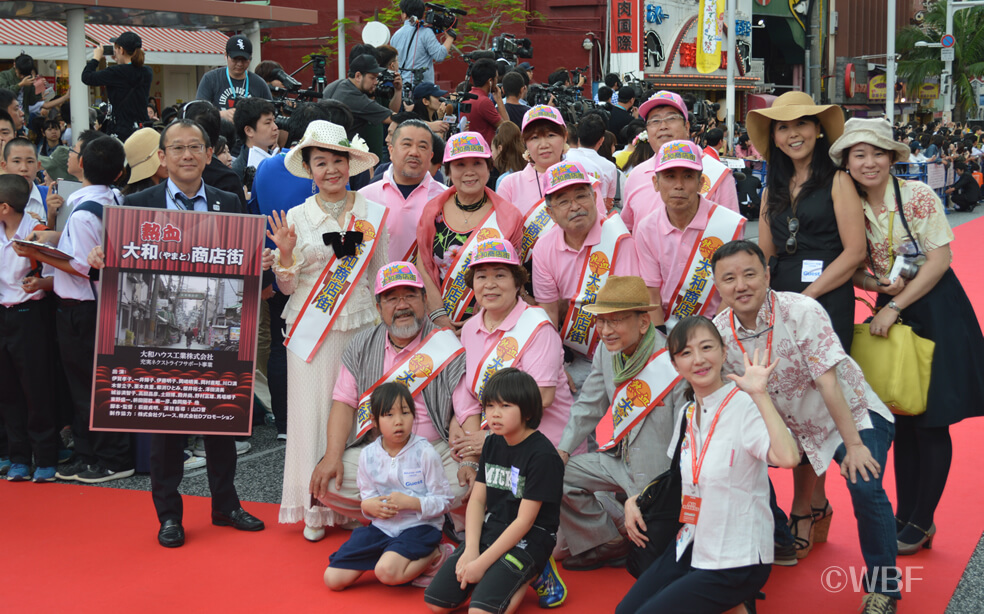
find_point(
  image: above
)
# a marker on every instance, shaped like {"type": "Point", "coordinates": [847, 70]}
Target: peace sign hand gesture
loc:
{"type": "Point", "coordinates": [756, 378]}
{"type": "Point", "coordinates": [284, 236]}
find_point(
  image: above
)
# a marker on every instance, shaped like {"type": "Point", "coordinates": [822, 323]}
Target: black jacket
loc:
{"type": "Point", "coordinates": [128, 88]}
{"type": "Point", "coordinates": [221, 177]}
{"type": "Point", "coordinates": [156, 198]}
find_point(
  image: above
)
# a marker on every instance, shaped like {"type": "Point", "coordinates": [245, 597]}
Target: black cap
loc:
{"type": "Point", "coordinates": [524, 66]}
{"type": "Point", "coordinates": [426, 89]}
{"type": "Point", "coordinates": [238, 46]}
{"type": "Point", "coordinates": [129, 41]}
{"type": "Point", "coordinates": [365, 64]}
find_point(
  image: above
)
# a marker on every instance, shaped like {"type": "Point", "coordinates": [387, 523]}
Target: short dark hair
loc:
{"type": "Point", "coordinates": [103, 159]}
{"type": "Point", "coordinates": [327, 110]}
{"type": "Point", "coordinates": [50, 123]}
{"type": "Point", "coordinates": [6, 98]}
{"type": "Point", "coordinates": [24, 64]}
{"type": "Point", "coordinates": [680, 335]}
{"type": "Point", "coordinates": [413, 8]}
{"type": "Point", "coordinates": [714, 137]}
{"type": "Point", "coordinates": [611, 80]}
{"type": "Point", "coordinates": [86, 137]}
{"type": "Point", "coordinates": [411, 122]}
{"type": "Point", "coordinates": [266, 68]}
{"type": "Point", "coordinates": [510, 385]}
{"type": "Point", "coordinates": [438, 143]}
{"type": "Point", "coordinates": [385, 396]}
{"type": "Point", "coordinates": [306, 153]}
{"type": "Point", "coordinates": [519, 273]}
{"type": "Point", "coordinates": [385, 54]}
{"type": "Point", "coordinates": [958, 164]}
{"type": "Point", "coordinates": [5, 117]}
{"type": "Point", "coordinates": [605, 93]}
{"type": "Point", "coordinates": [590, 130]}
{"type": "Point", "coordinates": [206, 115]}
{"type": "Point", "coordinates": [739, 246]}
{"type": "Point", "coordinates": [627, 93]}
{"type": "Point", "coordinates": [512, 84]}
{"type": "Point", "coordinates": [560, 76]}
{"type": "Point", "coordinates": [187, 123]}
{"type": "Point", "coordinates": [249, 111]}
{"type": "Point", "coordinates": [17, 141]}
{"type": "Point", "coordinates": [481, 72]}
{"type": "Point", "coordinates": [15, 191]}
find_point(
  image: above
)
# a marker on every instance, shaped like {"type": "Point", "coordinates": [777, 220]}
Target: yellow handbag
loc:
{"type": "Point", "coordinates": [898, 368]}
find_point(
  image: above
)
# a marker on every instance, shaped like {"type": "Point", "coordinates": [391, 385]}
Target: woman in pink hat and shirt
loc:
{"type": "Point", "coordinates": [452, 224]}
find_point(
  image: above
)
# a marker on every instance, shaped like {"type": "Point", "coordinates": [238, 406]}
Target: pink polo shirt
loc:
{"type": "Point", "coordinates": [542, 358]}
{"type": "Point", "coordinates": [404, 215]}
{"type": "Point", "coordinates": [522, 189]}
{"type": "Point", "coordinates": [664, 252]}
{"type": "Point", "coordinates": [557, 266]}
{"type": "Point", "coordinates": [347, 391]}
{"type": "Point", "coordinates": [640, 198]}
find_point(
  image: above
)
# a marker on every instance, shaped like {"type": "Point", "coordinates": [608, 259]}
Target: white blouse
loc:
{"type": "Point", "coordinates": [311, 256]}
{"type": "Point", "coordinates": [735, 526]}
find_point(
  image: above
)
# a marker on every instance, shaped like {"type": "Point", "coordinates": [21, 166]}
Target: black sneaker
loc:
{"type": "Point", "coordinates": [784, 556]}
{"type": "Point", "coordinates": [71, 471]}
{"type": "Point", "coordinates": [97, 474]}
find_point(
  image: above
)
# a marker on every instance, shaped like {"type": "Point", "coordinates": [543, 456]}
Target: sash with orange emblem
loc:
{"type": "Point", "coordinates": [334, 287]}
{"type": "Point", "coordinates": [428, 359]}
{"type": "Point", "coordinates": [696, 287]}
{"type": "Point", "coordinates": [508, 348]}
{"type": "Point", "coordinates": [578, 331]}
{"type": "Point", "coordinates": [457, 295]}
{"type": "Point", "coordinates": [535, 225]}
{"type": "Point", "coordinates": [634, 399]}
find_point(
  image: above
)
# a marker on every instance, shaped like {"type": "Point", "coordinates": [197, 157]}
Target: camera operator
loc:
{"type": "Point", "coordinates": [355, 90]}
{"type": "Point", "coordinates": [20, 80]}
{"type": "Point", "coordinates": [485, 115]}
{"type": "Point", "coordinates": [223, 87]}
{"type": "Point", "coordinates": [428, 102]}
{"type": "Point", "coordinates": [127, 83]}
{"type": "Point", "coordinates": [417, 43]}
{"type": "Point", "coordinates": [623, 112]}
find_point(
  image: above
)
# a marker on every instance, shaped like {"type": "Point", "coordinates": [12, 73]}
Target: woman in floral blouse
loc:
{"type": "Point", "coordinates": [905, 220]}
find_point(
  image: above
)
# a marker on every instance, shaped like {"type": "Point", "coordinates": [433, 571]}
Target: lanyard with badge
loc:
{"type": "Point", "coordinates": [231, 100]}
{"type": "Point", "coordinates": [768, 341]}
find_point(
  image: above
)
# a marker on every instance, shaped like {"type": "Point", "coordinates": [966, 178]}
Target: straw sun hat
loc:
{"type": "Point", "coordinates": [621, 294]}
{"type": "Point", "coordinates": [790, 106]}
{"type": "Point", "coordinates": [141, 154]}
{"type": "Point", "coordinates": [326, 135]}
{"type": "Point", "coordinates": [877, 132]}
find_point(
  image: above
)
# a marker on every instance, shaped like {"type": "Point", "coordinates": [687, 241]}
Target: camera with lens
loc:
{"type": "Point", "coordinates": [509, 47]}
{"type": "Point", "coordinates": [442, 18]}
{"type": "Point", "coordinates": [908, 266]}
{"type": "Point", "coordinates": [386, 87]}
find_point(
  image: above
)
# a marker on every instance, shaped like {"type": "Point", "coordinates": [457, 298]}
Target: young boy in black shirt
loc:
{"type": "Point", "coordinates": [514, 510]}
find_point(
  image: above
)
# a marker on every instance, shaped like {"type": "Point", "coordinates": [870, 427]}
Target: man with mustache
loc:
{"type": "Point", "coordinates": [406, 347]}
{"type": "Point", "coordinates": [574, 258]}
{"type": "Point", "coordinates": [676, 241]}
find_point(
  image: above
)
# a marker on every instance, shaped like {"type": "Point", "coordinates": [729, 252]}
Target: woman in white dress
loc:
{"type": "Point", "coordinates": [328, 251]}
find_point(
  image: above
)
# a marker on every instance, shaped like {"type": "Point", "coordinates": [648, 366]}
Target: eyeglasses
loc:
{"type": "Point", "coordinates": [409, 299]}
{"type": "Point", "coordinates": [669, 121]}
{"type": "Point", "coordinates": [791, 244]}
{"type": "Point", "coordinates": [612, 323]}
{"type": "Point", "coordinates": [194, 149]}
{"type": "Point", "coordinates": [584, 199]}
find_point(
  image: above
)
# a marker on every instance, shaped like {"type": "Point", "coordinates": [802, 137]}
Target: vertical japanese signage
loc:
{"type": "Point", "coordinates": [178, 313]}
{"type": "Point", "coordinates": [710, 24]}
{"type": "Point", "coordinates": [626, 25]}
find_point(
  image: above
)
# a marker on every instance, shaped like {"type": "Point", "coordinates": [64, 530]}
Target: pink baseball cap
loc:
{"type": "Point", "coordinates": [466, 145]}
{"type": "Point", "coordinates": [494, 251]}
{"type": "Point", "coordinates": [663, 98]}
{"type": "Point", "coordinates": [396, 274]}
{"type": "Point", "coordinates": [542, 111]}
{"type": "Point", "coordinates": [565, 174]}
{"type": "Point", "coordinates": [679, 154]}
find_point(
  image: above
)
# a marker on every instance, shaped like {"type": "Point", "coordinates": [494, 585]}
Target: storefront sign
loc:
{"type": "Point", "coordinates": [625, 26]}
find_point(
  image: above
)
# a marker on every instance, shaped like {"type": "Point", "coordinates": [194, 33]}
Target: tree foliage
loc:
{"type": "Point", "coordinates": [917, 64]}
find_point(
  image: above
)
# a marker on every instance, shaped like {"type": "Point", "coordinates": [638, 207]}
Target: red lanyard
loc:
{"type": "Point", "coordinates": [768, 341]}
{"type": "Point", "coordinates": [695, 462]}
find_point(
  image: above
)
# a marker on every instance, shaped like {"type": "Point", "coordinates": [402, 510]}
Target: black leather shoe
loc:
{"type": "Point", "coordinates": [171, 535]}
{"type": "Point", "coordinates": [239, 519]}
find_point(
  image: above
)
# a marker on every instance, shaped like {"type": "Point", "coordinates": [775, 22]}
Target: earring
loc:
{"type": "Point", "coordinates": [820, 136]}
{"type": "Point", "coordinates": [314, 187]}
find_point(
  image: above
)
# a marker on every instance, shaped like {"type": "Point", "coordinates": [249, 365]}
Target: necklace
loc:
{"type": "Point", "coordinates": [472, 207]}
{"type": "Point", "coordinates": [331, 208]}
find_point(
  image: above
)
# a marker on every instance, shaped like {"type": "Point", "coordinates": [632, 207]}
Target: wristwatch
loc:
{"type": "Point", "coordinates": [893, 305]}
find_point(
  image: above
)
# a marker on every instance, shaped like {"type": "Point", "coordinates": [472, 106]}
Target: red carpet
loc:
{"type": "Point", "coordinates": [85, 549]}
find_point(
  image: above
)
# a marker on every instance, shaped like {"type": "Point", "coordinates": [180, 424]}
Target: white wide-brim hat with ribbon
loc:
{"type": "Point", "coordinates": [326, 135]}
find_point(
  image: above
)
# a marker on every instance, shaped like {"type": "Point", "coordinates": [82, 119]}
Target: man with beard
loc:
{"type": "Point", "coordinates": [405, 348]}
{"type": "Point", "coordinates": [666, 120]}
{"type": "Point", "coordinates": [406, 186]}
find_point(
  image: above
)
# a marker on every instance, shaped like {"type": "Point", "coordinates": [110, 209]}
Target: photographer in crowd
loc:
{"type": "Point", "coordinates": [127, 84]}
{"type": "Point", "coordinates": [355, 91]}
{"type": "Point", "coordinates": [20, 80]}
{"type": "Point", "coordinates": [417, 43]}
{"type": "Point", "coordinates": [223, 87]}
{"type": "Point", "coordinates": [485, 116]}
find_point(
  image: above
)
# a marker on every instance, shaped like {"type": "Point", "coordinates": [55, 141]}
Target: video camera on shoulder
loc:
{"type": "Point", "coordinates": [442, 18]}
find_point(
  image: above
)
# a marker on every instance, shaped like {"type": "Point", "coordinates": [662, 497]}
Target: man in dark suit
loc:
{"type": "Point", "coordinates": [185, 150]}
{"type": "Point", "coordinates": [216, 174]}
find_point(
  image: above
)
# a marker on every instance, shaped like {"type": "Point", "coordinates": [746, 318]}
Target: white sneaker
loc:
{"type": "Point", "coordinates": [198, 448]}
{"type": "Point", "coordinates": [242, 447]}
{"type": "Point", "coordinates": [314, 534]}
{"type": "Point", "coordinates": [193, 462]}
{"type": "Point", "coordinates": [281, 436]}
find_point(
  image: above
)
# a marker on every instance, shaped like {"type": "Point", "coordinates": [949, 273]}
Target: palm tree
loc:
{"type": "Point", "coordinates": [918, 63]}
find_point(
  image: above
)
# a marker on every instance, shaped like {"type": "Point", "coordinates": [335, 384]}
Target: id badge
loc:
{"type": "Point", "coordinates": [685, 536]}
{"type": "Point", "coordinates": [689, 509]}
{"type": "Point", "coordinates": [811, 271]}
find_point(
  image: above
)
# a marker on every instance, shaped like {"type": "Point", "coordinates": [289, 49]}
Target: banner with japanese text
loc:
{"type": "Point", "coordinates": [626, 23]}
{"type": "Point", "coordinates": [178, 313]}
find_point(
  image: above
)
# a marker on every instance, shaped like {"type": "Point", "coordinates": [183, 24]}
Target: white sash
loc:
{"type": "Point", "coordinates": [634, 399]}
{"type": "Point", "coordinates": [696, 287]}
{"type": "Point", "coordinates": [334, 287]}
{"type": "Point", "coordinates": [457, 296]}
{"type": "Point", "coordinates": [507, 349]}
{"type": "Point", "coordinates": [429, 358]}
{"type": "Point", "coordinates": [536, 224]}
{"type": "Point", "coordinates": [713, 174]}
{"type": "Point", "coordinates": [578, 331]}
